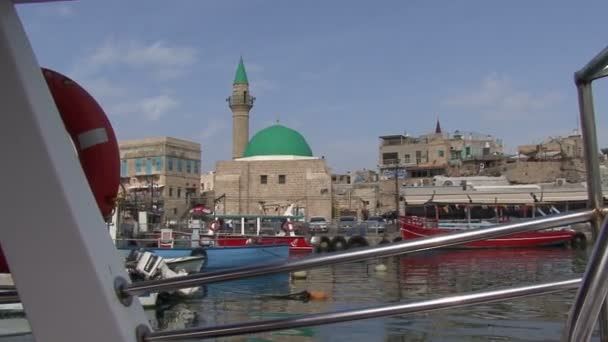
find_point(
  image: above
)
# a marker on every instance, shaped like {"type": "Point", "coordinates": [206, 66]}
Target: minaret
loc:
{"type": "Point", "coordinates": [438, 127]}
{"type": "Point", "coordinates": [240, 103]}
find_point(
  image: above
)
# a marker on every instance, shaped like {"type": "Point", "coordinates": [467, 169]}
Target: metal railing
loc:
{"type": "Point", "coordinates": [589, 305]}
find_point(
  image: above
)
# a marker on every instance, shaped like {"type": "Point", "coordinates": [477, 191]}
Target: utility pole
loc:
{"type": "Point", "coordinates": [397, 190]}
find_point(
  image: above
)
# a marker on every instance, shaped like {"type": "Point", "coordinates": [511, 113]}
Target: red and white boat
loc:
{"type": "Point", "coordinates": [297, 244]}
{"type": "Point", "coordinates": [216, 230]}
{"type": "Point", "coordinates": [413, 227]}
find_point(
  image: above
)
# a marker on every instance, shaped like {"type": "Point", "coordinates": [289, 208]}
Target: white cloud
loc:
{"type": "Point", "coordinates": [162, 60]}
{"type": "Point", "coordinates": [151, 108]}
{"type": "Point", "coordinates": [497, 98]}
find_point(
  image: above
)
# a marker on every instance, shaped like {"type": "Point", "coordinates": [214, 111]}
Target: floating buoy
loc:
{"type": "Point", "coordinates": [318, 295]}
{"type": "Point", "coordinates": [299, 275]}
{"type": "Point", "coordinates": [380, 268]}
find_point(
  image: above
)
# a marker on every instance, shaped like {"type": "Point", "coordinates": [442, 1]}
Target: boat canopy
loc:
{"type": "Point", "coordinates": [254, 216]}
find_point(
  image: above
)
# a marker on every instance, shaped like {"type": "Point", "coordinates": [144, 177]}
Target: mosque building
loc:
{"type": "Point", "coordinates": [273, 170]}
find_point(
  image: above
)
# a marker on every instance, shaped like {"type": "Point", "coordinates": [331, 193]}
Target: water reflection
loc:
{"type": "Point", "coordinates": [409, 278]}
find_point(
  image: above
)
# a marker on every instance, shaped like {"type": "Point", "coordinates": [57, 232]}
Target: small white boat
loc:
{"type": "Point", "coordinates": [146, 265]}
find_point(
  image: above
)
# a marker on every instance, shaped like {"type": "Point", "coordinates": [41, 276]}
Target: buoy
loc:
{"type": "Point", "coordinates": [318, 295]}
{"type": "Point", "coordinates": [299, 275]}
{"type": "Point", "coordinates": [380, 268]}
{"type": "Point", "coordinates": [92, 135]}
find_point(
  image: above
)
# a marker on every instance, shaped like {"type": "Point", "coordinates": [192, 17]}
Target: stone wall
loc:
{"type": "Point", "coordinates": [528, 172]}
{"type": "Point", "coordinates": [307, 183]}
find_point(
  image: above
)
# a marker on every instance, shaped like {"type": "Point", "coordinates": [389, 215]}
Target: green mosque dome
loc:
{"type": "Point", "coordinates": [278, 140]}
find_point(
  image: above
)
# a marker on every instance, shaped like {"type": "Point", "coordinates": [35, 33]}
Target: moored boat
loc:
{"type": "Point", "coordinates": [243, 230]}
{"type": "Point", "coordinates": [413, 227]}
{"type": "Point", "coordinates": [223, 257]}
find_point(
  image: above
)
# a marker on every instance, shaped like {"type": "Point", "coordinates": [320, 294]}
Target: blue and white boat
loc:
{"type": "Point", "coordinates": [223, 257]}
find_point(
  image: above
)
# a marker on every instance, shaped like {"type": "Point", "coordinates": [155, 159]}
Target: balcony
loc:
{"type": "Point", "coordinates": [244, 100]}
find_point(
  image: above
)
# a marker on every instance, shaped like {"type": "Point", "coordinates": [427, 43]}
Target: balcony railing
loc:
{"type": "Point", "coordinates": [244, 100]}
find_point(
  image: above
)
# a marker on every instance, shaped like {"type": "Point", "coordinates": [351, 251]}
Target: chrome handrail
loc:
{"type": "Point", "coordinates": [363, 313]}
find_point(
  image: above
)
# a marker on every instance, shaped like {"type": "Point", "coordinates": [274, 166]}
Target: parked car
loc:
{"type": "Point", "coordinates": [377, 224]}
{"type": "Point", "coordinates": [318, 224]}
{"type": "Point", "coordinates": [347, 223]}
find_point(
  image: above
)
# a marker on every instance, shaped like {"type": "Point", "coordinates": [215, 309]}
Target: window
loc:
{"type": "Point", "coordinates": [188, 166]}
{"type": "Point", "coordinates": [467, 151]}
{"type": "Point", "coordinates": [440, 153]}
{"type": "Point", "coordinates": [170, 163]}
{"type": "Point", "coordinates": [418, 157]}
{"type": "Point", "coordinates": [179, 192]}
{"type": "Point", "coordinates": [389, 158]}
{"type": "Point", "coordinates": [263, 179]}
{"type": "Point", "coordinates": [170, 192]}
{"type": "Point", "coordinates": [123, 168]}
{"type": "Point", "coordinates": [282, 179]}
{"type": "Point", "coordinates": [138, 164]}
{"type": "Point", "coordinates": [406, 158]}
{"type": "Point", "coordinates": [148, 166]}
{"type": "Point", "coordinates": [196, 162]}
{"type": "Point", "coordinates": [159, 163]}
{"type": "Point", "coordinates": [180, 166]}
{"type": "Point", "coordinates": [174, 211]}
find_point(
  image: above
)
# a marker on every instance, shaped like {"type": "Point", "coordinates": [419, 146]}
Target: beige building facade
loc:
{"type": "Point", "coordinates": [568, 147]}
{"type": "Point", "coordinates": [160, 175]}
{"type": "Point", "coordinates": [269, 187]}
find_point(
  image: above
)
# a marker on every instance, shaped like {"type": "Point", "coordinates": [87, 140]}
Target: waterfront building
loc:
{"type": "Point", "coordinates": [429, 155]}
{"type": "Point", "coordinates": [414, 161]}
{"type": "Point", "coordinates": [160, 175]}
{"type": "Point", "coordinates": [270, 172]}
{"type": "Point", "coordinates": [554, 148]}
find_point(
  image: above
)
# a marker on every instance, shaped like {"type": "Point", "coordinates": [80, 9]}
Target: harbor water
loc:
{"type": "Point", "coordinates": [408, 278]}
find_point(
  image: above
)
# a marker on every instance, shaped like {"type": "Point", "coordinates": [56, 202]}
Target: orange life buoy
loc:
{"type": "Point", "coordinates": [92, 135]}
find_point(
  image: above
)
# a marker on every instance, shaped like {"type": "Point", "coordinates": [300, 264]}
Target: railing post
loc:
{"type": "Point", "coordinates": [587, 295]}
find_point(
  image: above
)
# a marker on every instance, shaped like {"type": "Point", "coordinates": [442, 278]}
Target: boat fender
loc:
{"type": "Point", "coordinates": [398, 239]}
{"type": "Point", "coordinates": [287, 226]}
{"type": "Point", "coordinates": [317, 295]}
{"type": "Point", "coordinates": [338, 243]}
{"type": "Point", "coordinates": [579, 240]}
{"type": "Point", "coordinates": [92, 136]}
{"type": "Point", "coordinates": [357, 241]}
{"type": "Point", "coordinates": [214, 226]}
{"type": "Point", "coordinates": [384, 241]}
{"type": "Point", "coordinates": [324, 245]}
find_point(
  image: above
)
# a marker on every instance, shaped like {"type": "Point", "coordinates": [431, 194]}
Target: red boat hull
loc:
{"type": "Point", "coordinates": [3, 263]}
{"type": "Point", "coordinates": [297, 244]}
{"type": "Point", "coordinates": [521, 240]}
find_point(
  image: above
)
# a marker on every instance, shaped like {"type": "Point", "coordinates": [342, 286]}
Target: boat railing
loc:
{"type": "Point", "coordinates": [589, 305]}
{"type": "Point", "coordinates": [20, 74]}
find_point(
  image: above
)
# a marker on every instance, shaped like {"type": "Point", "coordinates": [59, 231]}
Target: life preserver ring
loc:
{"type": "Point", "coordinates": [92, 135]}
{"type": "Point", "coordinates": [214, 226]}
{"type": "Point", "coordinates": [288, 226]}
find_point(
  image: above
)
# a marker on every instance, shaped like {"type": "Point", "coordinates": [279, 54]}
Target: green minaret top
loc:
{"type": "Point", "coordinates": [241, 74]}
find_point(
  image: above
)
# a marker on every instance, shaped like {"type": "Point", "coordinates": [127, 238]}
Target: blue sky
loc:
{"type": "Point", "coordinates": [340, 72]}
